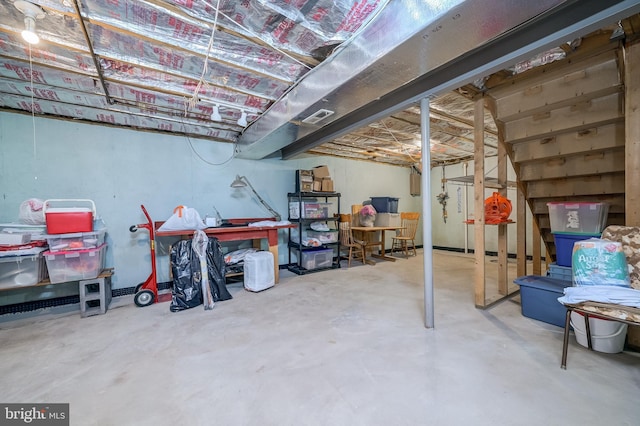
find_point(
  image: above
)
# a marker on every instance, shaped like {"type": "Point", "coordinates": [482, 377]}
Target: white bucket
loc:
{"type": "Point", "coordinates": [606, 335]}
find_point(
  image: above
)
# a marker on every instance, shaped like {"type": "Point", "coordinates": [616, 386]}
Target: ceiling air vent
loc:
{"type": "Point", "coordinates": [317, 116]}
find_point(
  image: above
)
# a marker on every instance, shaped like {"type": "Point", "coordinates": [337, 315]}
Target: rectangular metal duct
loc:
{"type": "Point", "coordinates": [408, 41]}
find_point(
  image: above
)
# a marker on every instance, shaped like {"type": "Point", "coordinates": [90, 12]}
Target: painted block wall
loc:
{"type": "Point", "coordinates": [121, 169]}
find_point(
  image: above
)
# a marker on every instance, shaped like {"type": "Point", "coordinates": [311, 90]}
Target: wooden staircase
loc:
{"type": "Point", "coordinates": [563, 126]}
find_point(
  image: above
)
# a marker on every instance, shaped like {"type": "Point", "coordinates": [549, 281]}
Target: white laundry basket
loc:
{"type": "Point", "coordinates": [258, 271]}
{"type": "Point", "coordinates": [606, 335]}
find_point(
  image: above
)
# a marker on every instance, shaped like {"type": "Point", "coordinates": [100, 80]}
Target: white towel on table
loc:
{"type": "Point", "coordinates": [601, 293]}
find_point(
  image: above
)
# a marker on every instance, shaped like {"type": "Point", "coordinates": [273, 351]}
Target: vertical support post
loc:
{"type": "Point", "coordinates": [427, 239]}
{"type": "Point", "coordinates": [536, 250]}
{"type": "Point", "coordinates": [503, 267]}
{"type": "Point", "coordinates": [466, 208]}
{"type": "Point", "coordinates": [632, 148]}
{"type": "Point", "coordinates": [521, 230]}
{"type": "Point", "coordinates": [478, 203]}
{"type": "Point", "coordinates": [632, 134]}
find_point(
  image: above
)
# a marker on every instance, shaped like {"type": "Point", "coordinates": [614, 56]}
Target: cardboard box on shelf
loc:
{"type": "Point", "coordinates": [320, 172]}
{"type": "Point", "coordinates": [317, 185]}
{"type": "Point", "coordinates": [304, 180]}
{"type": "Point", "coordinates": [305, 175]}
{"type": "Point", "coordinates": [327, 185]}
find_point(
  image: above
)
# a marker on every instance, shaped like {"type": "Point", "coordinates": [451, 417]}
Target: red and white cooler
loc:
{"type": "Point", "coordinates": [64, 216]}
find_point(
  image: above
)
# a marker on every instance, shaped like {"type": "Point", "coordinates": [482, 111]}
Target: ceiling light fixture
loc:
{"type": "Point", "coordinates": [242, 121]}
{"type": "Point", "coordinates": [31, 12]}
{"type": "Point", "coordinates": [215, 114]}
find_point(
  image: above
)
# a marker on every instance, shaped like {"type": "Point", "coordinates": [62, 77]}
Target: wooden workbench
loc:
{"type": "Point", "coordinates": [238, 233]}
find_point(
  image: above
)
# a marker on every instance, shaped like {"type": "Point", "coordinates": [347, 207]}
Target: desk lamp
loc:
{"type": "Point", "coordinates": [242, 182]}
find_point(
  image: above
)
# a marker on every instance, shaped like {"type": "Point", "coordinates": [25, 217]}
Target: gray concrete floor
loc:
{"type": "Point", "coordinates": [340, 347]}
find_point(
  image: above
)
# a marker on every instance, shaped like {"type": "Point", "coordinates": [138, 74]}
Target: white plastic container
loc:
{"type": "Point", "coordinates": [258, 271]}
{"type": "Point", "coordinates": [606, 335]}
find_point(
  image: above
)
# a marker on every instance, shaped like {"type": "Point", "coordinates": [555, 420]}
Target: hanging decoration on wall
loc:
{"type": "Point", "coordinates": [414, 180]}
{"type": "Point", "coordinates": [443, 197]}
{"type": "Point", "coordinates": [459, 194]}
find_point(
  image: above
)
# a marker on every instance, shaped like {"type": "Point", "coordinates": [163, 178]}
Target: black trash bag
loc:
{"type": "Point", "coordinates": [217, 271]}
{"type": "Point", "coordinates": [185, 267]}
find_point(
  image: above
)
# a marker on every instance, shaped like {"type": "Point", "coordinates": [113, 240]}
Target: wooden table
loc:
{"type": "Point", "coordinates": [239, 233]}
{"type": "Point", "coordinates": [382, 229]}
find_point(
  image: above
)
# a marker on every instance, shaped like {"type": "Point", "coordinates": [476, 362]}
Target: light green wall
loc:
{"type": "Point", "coordinates": [452, 233]}
{"type": "Point", "coordinates": [121, 169]}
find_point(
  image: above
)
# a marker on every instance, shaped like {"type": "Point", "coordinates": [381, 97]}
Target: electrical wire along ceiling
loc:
{"type": "Point", "coordinates": [265, 75]}
{"type": "Point", "coordinates": [160, 65]}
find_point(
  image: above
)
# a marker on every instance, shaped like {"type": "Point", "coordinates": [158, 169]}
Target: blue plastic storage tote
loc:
{"type": "Point", "coordinates": [539, 298]}
{"type": "Point", "coordinates": [564, 246]}
{"type": "Point", "coordinates": [385, 204]}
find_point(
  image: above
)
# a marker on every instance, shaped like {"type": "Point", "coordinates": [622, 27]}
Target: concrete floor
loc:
{"type": "Point", "coordinates": [341, 347]}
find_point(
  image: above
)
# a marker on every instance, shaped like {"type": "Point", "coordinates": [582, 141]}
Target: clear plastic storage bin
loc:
{"type": "Point", "coordinates": [578, 218]}
{"type": "Point", "coordinates": [21, 271]}
{"type": "Point", "coordinates": [76, 241]}
{"type": "Point", "coordinates": [317, 259]}
{"type": "Point", "coordinates": [324, 237]}
{"type": "Point", "coordinates": [75, 265]}
{"type": "Point", "coordinates": [308, 210]}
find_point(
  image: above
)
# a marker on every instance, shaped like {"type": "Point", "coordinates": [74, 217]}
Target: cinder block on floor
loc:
{"type": "Point", "coordinates": [95, 296]}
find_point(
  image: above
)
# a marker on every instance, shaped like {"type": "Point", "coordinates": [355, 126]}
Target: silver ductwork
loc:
{"type": "Point", "coordinates": [410, 49]}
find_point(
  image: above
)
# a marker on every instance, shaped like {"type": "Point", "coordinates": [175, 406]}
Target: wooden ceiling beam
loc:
{"type": "Point", "coordinates": [374, 149]}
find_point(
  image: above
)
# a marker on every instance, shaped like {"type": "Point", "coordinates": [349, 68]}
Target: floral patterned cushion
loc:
{"type": "Point", "coordinates": [629, 237]}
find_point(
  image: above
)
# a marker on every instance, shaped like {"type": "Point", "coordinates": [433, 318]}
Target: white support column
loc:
{"type": "Point", "coordinates": [478, 204]}
{"type": "Point", "coordinates": [427, 240]}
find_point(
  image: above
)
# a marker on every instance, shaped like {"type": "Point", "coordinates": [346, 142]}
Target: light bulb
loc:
{"type": "Point", "coordinates": [215, 114]}
{"type": "Point", "coordinates": [29, 33]}
{"type": "Point", "coordinates": [242, 121]}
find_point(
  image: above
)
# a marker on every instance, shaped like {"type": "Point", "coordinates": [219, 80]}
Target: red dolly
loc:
{"type": "Point", "coordinates": [147, 292]}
